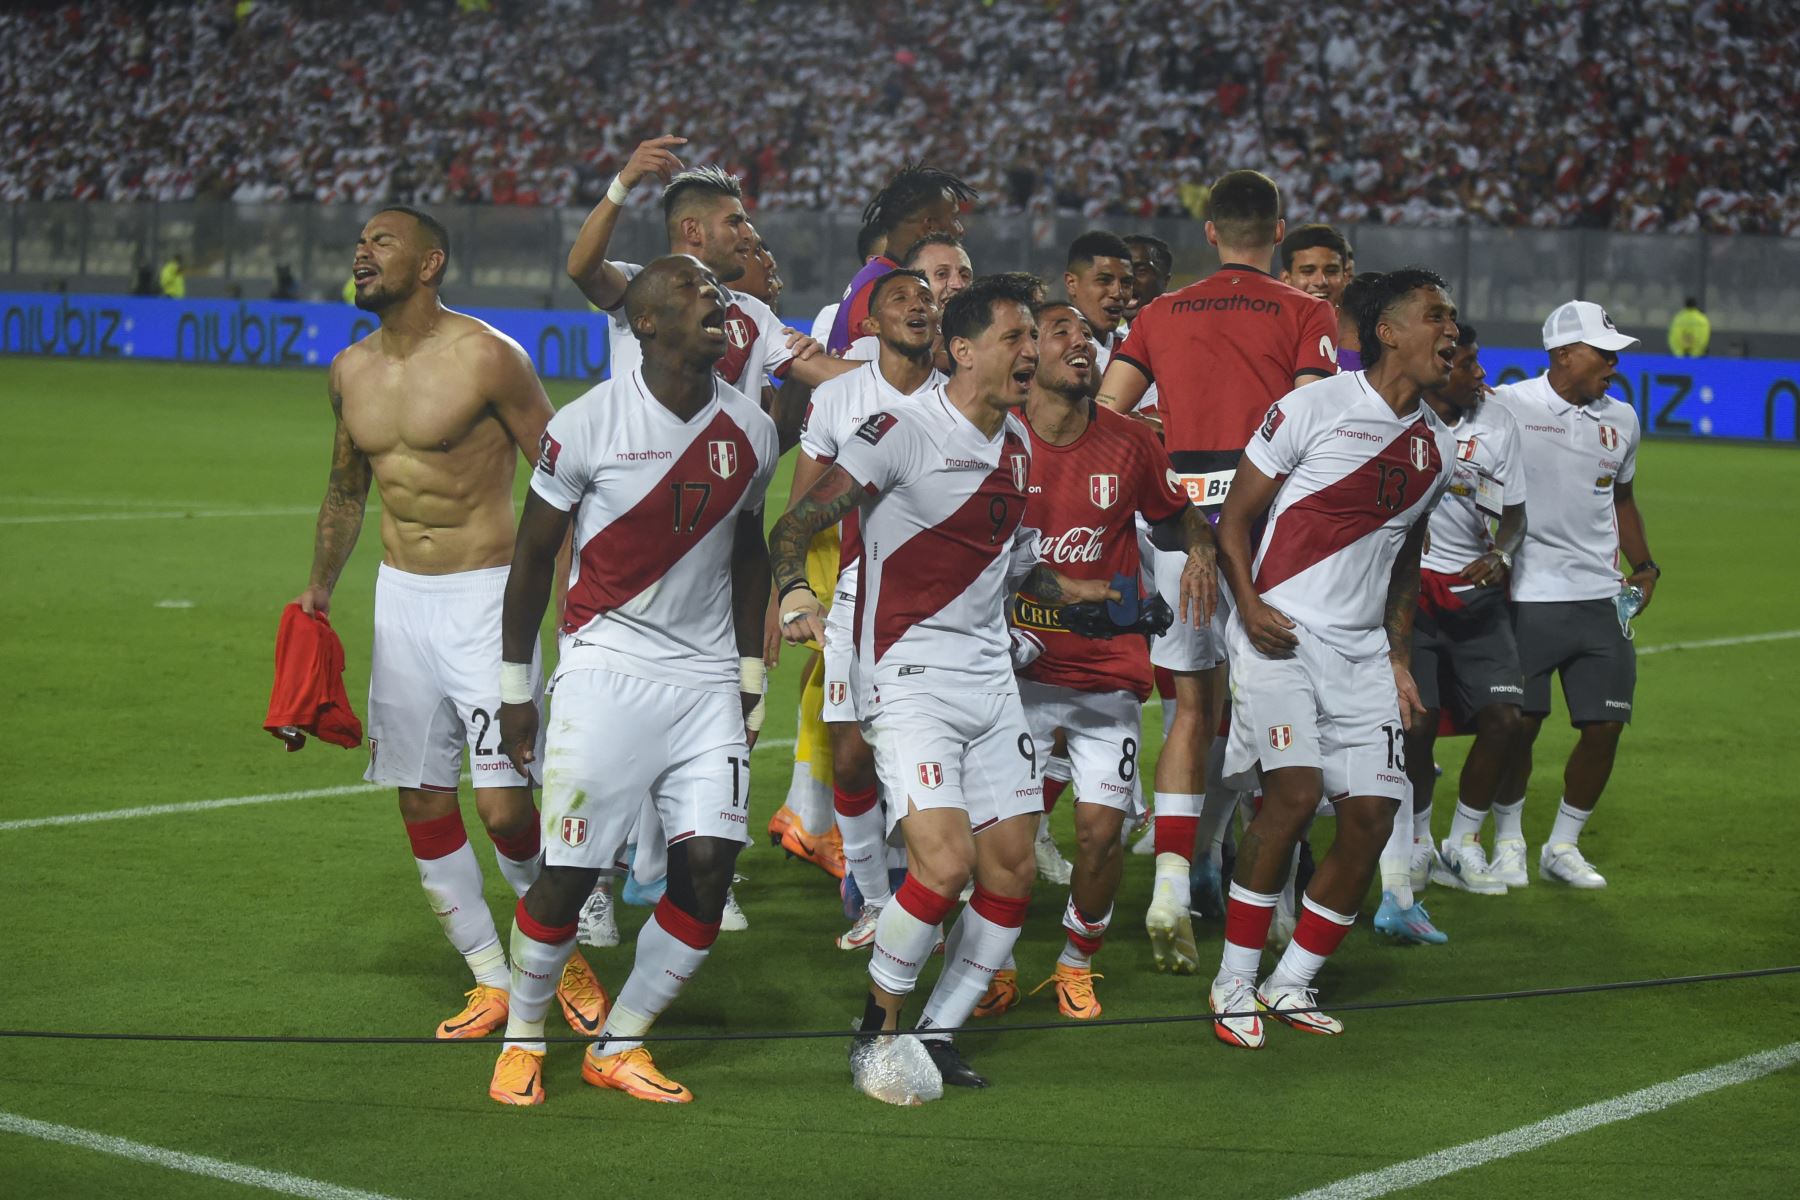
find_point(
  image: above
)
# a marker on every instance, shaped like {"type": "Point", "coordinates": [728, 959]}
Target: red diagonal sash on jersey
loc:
{"type": "Point", "coordinates": [699, 490]}
{"type": "Point", "coordinates": [1334, 517]}
{"type": "Point", "coordinates": [937, 565]}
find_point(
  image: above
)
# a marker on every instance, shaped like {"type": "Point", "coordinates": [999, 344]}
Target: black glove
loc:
{"type": "Point", "coordinates": [1130, 613]}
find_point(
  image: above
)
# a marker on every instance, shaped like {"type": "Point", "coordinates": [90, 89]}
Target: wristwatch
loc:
{"type": "Point", "coordinates": [1649, 564]}
{"type": "Point", "coordinates": [1504, 557]}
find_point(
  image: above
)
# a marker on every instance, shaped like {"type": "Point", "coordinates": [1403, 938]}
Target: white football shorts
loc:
{"type": "Point", "coordinates": [1102, 730]}
{"type": "Point", "coordinates": [1185, 647]}
{"type": "Point", "coordinates": [615, 739]}
{"type": "Point", "coordinates": [1315, 709]}
{"type": "Point", "coordinates": [434, 681]}
{"type": "Point", "coordinates": [966, 750]}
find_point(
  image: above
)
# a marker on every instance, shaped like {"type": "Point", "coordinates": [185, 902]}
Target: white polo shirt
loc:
{"type": "Point", "coordinates": [1485, 479]}
{"type": "Point", "coordinates": [1573, 455]}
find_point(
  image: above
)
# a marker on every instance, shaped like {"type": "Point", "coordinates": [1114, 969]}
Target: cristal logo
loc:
{"type": "Point", "coordinates": [1082, 544]}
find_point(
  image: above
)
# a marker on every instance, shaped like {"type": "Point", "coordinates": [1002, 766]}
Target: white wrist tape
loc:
{"type": "Point", "coordinates": [515, 683]}
{"type": "Point", "coordinates": [617, 191]}
{"type": "Point", "coordinates": [753, 675]}
{"type": "Point", "coordinates": [753, 720]}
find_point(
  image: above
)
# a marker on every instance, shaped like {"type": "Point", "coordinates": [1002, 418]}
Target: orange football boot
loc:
{"type": "Point", "coordinates": [1001, 995]}
{"type": "Point", "coordinates": [484, 1013]}
{"type": "Point", "coordinates": [778, 824]}
{"type": "Point", "coordinates": [1074, 991]}
{"type": "Point", "coordinates": [518, 1077]}
{"type": "Point", "coordinates": [632, 1072]}
{"type": "Point", "coordinates": [584, 1001]}
{"type": "Point", "coordinates": [824, 851]}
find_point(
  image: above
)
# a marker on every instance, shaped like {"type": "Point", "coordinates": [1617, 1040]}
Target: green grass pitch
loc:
{"type": "Point", "coordinates": [155, 518]}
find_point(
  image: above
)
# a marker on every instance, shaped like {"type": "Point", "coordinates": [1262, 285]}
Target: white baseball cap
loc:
{"type": "Point", "coordinates": [1584, 321]}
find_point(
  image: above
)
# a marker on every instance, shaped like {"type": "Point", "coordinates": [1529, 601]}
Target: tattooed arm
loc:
{"type": "Point", "coordinates": [1056, 589]}
{"type": "Point", "coordinates": [1191, 533]}
{"type": "Point", "coordinates": [1402, 603]}
{"type": "Point", "coordinates": [341, 513]}
{"type": "Point", "coordinates": [829, 500]}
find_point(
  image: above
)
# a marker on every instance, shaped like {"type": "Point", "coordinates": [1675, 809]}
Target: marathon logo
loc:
{"type": "Point", "coordinates": [1224, 304]}
{"type": "Point", "coordinates": [1029, 614]}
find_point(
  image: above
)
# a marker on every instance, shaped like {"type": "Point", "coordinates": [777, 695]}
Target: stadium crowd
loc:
{"type": "Point", "coordinates": [1634, 115]}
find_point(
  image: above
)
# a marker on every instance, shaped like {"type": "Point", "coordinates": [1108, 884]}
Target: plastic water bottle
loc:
{"type": "Point", "coordinates": [1629, 600]}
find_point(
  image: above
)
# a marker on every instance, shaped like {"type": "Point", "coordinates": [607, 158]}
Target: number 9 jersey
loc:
{"type": "Point", "coordinates": [655, 501]}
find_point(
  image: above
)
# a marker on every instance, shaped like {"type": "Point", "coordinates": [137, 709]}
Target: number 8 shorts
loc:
{"type": "Point", "coordinates": [1315, 709]}
{"type": "Point", "coordinates": [615, 739]}
{"type": "Point", "coordinates": [434, 681]}
{"type": "Point", "coordinates": [1102, 731]}
{"type": "Point", "coordinates": [966, 750]}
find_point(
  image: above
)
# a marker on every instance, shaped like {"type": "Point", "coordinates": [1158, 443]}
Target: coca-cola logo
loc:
{"type": "Point", "coordinates": [1082, 544]}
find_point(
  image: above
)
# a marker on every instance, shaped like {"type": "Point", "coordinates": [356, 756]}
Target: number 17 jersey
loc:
{"type": "Point", "coordinates": [655, 502]}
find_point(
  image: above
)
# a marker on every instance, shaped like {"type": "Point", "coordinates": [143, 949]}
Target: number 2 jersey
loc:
{"type": "Point", "coordinates": [1082, 500]}
{"type": "Point", "coordinates": [942, 548]}
{"type": "Point", "coordinates": [1354, 479]}
{"type": "Point", "coordinates": [655, 502]}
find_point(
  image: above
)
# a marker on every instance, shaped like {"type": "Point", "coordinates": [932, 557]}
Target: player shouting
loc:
{"type": "Point", "coordinates": [661, 471]}
{"type": "Point", "coordinates": [1346, 473]}
{"type": "Point", "coordinates": [940, 486]}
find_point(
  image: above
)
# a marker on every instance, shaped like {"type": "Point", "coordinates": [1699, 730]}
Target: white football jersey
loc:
{"type": "Point", "coordinates": [839, 407]}
{"type": "Point", "coordinates": [943, 546]}
{"type": "Point", "coordinates": [755, 341]}
{"type": "Point", "coordinates": [1573, 454]}
{"type": "Point", "coordinates": [1354, 479]}
{"type": "Point", "coordinates": [1486, 477]}
{"type": "Point", "coordinates": [655, 501]}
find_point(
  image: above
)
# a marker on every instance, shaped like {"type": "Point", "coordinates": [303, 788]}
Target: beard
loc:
{"type": "Point", "coordinates": [379, 298]}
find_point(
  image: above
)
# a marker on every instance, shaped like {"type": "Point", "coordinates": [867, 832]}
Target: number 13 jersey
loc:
{"type": "Point", "coordinates": [1354, 479]}
{"type": "Point", "coordinates": [655, 502]}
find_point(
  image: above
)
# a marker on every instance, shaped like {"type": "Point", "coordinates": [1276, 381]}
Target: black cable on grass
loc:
{"type": "Point", "coordinates": [1578, 989]}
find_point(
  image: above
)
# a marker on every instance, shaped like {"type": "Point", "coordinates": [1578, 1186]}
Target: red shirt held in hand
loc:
{"type": "Point", "coordinates": [309, 696]}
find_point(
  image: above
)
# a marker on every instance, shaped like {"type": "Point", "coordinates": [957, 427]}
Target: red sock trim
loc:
{"type": "Point", "coordinates": [1318, 934]}
{"type": "Point", "coordinates": [1247, 924]}
{"type": "Point", "coordinates": [524, 846]}
{"type": "Point", "coordinates": [854, 804]}
{"type": "Point", "coordinates": [685, 927]}
{"type": "Point", "coordinates": [1053, 790]}
{"type": "Point", "coordinates": [923, 903]}
{"type": "Point", "coordinates": [1089, 946]}
{"type": "Point", "coordinates": [1006, 911]}
{"type": "Point", "coordinates": [537, 931]}
{"type": "Point", "coordinates": [437, 837]}
{"type": "Point", "coordinates": [1176, 835]}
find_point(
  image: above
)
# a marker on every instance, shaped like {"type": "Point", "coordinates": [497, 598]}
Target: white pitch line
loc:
{"type": "Point", "coordinates": [1781, 635]}
{"type": "Point", "coordinates": [1530, 1137]}
{"type": "Point", "coordinates": [169, 515]}
{"type": "Point", "coordinates": [175, 1160]}
{"type": "Point", "coordinates": [158, 810]}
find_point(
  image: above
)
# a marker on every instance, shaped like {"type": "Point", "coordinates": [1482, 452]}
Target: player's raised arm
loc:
{"type": "Point", "coordinates": [828, 501]}
{"type": "Point", "coordinates": [601, 282]}
{"type": "Point", "coordinates": [1123, 385]}
{"type": "Point", "coordinates": [1251, 494]}
{"type": "Point", "coordinates": [340, 513]}
{"type": "Point", "coordinates": [543, 528]}
{"type": "Point", "coordinates": [816, 368]}
{"type": "Point", "coordinates": [1402, 603]}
